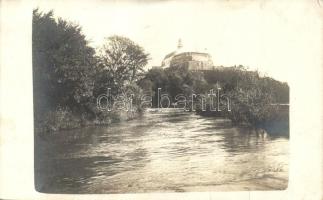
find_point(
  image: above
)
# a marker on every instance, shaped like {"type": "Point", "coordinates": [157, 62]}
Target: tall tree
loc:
{"type": "Point", "coordinates": [122, 60]}
{"type": "Point", "coordinates": [62, 64]}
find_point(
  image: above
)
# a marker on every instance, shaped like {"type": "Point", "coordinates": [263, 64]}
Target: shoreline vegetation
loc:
{"type": "Point", "coordinates": [68, 76]}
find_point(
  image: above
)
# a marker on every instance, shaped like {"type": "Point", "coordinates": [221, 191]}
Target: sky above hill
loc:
{"type": "Point", "coordinates": [266, 35]}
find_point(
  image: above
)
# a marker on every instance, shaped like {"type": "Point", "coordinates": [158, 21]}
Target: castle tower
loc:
{"type": "Point", "coordinates": [179, 45]}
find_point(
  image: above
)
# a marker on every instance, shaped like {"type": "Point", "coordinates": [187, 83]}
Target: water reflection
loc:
{"type": "Point", "coordinates": [162, 151]}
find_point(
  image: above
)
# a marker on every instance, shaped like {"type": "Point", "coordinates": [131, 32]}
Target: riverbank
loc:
{"type": "Point", "coordinates": [64, 119]}
{"type": "Point", "coordinates": [264, 183]}
{"type": "Point", "coordinates": [274, 120]}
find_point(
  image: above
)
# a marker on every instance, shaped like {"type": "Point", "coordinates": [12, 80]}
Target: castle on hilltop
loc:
{"type": "Point", "coordinates": [186, 58]}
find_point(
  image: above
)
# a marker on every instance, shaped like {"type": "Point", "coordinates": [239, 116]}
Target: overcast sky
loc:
{"type": "Point", "coordinates": [266, 35]}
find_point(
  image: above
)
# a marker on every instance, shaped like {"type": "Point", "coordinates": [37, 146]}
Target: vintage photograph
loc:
{"type": "Point", "coordinates": [159, 96]}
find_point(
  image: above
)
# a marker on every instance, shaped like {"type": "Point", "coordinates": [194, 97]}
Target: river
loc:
{"type": "Point", "coordinates": [167, 151]}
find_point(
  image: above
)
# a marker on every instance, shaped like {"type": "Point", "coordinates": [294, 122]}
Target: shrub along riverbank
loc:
{"type": "Point", "coordinates": [255, 101]}
{"type": "Point", "coordinates": [68, 74]}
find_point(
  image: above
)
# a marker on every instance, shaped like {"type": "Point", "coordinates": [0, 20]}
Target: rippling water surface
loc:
{"type": "Point", "coordinates": [168, 151]}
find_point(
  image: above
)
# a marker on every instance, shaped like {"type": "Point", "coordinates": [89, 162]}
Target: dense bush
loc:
{"type": "Point", "coordinates": [63, 64]}
{"type": "Point", "coordinates": [252, 98]}
{"type": "Point", "coordinates": [61, 118]}
{"type": "Point", "coordinates": [68, 75]}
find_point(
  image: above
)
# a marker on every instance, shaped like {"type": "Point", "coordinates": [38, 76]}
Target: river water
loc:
{"type": "Point", "coordinates": [167, 151]}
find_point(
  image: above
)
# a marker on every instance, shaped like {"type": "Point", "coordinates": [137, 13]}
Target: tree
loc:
{"type": "Point", "coordinates": [122, 61]}
{"type": "Point", "coordinates": [63, 64]}
{"type": "Point", "coordinates": [155, 78]}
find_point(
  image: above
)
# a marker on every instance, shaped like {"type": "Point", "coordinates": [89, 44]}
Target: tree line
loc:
{"type": "Point", "coordinates": [68, 75]}
{"type": "Point", "coordinates": [254, 100]}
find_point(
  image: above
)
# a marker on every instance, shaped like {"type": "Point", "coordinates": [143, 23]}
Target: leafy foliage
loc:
{"type": "Point", "coordinates": [63, 64]}
{"type": "Point", "coordinates": [121, 62]}
{"type": "Point", "coordinates": [252, 97]}
{"type": "Point", "coordinates": [68, 75]}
